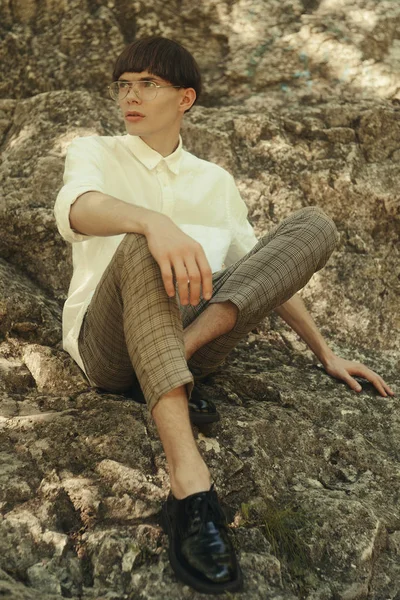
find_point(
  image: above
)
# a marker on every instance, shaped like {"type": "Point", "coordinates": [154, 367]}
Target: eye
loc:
{"type": "Point", "coordinates": [149, 84]}
{"type": "Point", "coordinates": [123, 85]}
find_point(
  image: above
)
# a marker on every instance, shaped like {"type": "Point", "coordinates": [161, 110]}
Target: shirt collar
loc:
{"type": "Point", "coordinates": [151, 158]}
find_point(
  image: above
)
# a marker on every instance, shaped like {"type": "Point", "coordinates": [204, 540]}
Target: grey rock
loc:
{"type": "Point", "coordinates": [13, 590]}
{"type": "Point", "coordinates": [25, 311]}
{"type": "Point", "coordinates": [301, 104]}
{"type": "Point", "coordinates": [53, 371]}
{"type": "Point", "coordinates": [14, 376]}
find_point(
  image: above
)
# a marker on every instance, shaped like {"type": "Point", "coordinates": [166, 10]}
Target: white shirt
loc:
{"type": "Point", "coordinates": [200, 197]}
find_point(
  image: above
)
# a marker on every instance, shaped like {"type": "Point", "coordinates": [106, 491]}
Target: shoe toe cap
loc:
{"type": "Point", "coordinates": [216, 567]}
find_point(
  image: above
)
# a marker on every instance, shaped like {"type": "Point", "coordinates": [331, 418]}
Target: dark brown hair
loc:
{"type": "Point", "coordinates": [162, 57]}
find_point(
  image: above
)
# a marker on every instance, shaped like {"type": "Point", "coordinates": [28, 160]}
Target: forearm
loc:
{"type": "Point", "coordinates": [299, 319]}
{"type": "Point", "coordinates": [95, 213]}
{"type": "Point", "coordinates": [296, 315]}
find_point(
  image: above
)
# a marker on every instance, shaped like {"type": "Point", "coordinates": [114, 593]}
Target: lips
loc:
{"type": "Point", "coordinates": [133, 113]}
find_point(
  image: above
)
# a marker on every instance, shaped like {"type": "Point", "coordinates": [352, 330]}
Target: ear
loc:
{"type": "Point", "coordinates": [188, 97]}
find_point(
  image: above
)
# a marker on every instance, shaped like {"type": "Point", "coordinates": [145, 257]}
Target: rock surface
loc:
{"type": "Point", "coordinates": [301, 104]}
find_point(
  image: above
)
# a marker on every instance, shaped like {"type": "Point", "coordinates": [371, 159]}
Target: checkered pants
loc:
{"type": "Point", "coordinates": [133, 329]}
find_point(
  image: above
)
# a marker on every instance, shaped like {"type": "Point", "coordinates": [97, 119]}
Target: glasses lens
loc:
{"type": "Point", "coordinates": [118, 90]}
{"type": "Point", "coordinates": [146, 90]}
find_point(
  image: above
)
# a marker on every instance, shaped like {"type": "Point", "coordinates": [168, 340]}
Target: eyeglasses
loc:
{"type": "Point", "coordinates": [144, 90]}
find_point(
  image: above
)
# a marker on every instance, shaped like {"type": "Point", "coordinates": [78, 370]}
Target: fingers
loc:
{"type": "Point", "coordinates": [344, 369]}
{"type": "Point", "coordinates": [193, 273]}
{"type": "Point", "coordinates": [191, 276]}
{"type": "Point", "coordinates": [177, 254]}
{"type": "Point", "coordinates": [194, 276]}
{"type": "Point", "coordinates": [387, 388]}
{"type": "Point", "coordinates": [352, 383]}
{"type": "Point", "coordinates": [376, 380]}
{"type": "Point", "coordinates": [167, 277]}
{"type": "Point", "coordinates": [206, 274]}
{"type": "Point", "coordinates": [382, 386]}
{"type": "Point", "coordinates": [182, 280]}
{"type": "Point", "coordinates": [187, 272]}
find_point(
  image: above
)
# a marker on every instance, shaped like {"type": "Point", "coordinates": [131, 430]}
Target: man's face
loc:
{"type": "Point", "coordinates": [163, 114]}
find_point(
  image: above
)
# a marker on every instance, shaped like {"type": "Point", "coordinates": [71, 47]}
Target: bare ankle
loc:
{"type": "Point", "coordinates": [187, 480]}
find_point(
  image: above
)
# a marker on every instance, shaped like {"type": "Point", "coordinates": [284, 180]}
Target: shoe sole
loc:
{"type": "Point", "coordinates": [198, 585]}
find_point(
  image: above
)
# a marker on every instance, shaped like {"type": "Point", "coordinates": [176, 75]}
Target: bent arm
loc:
{"type": "Point", "coordinates": [177, 254]}
{"type": "Point", "coordinates": [296, 315]}
{"type": "Point", "coordinates": [95, 213]}
{"type": "Point", "coordinates": [298, 318]}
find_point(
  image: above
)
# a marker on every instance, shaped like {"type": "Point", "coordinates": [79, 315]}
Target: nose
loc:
{"type": "Point", "coordinates": [133, 92]}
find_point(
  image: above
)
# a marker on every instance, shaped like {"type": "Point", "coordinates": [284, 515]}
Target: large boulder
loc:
{"type": "Point", "coordinates": [301, 104]}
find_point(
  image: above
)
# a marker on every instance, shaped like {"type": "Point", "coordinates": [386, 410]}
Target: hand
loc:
{"type": "Point", "coordinates": [176, 252]}
{"type": "Point", "coordinates": [344, 369]}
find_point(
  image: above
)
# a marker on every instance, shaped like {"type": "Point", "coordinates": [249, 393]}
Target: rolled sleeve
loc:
{"type": "Point", "coordinates": [243, 237]}
{"type": "Point", "coordinates": [82, 173]}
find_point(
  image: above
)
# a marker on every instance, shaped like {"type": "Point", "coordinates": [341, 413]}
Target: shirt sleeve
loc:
{"type": "Point", "coordinates": [243, 237]}
{"type": "Point", "coordinates": [82, 173]}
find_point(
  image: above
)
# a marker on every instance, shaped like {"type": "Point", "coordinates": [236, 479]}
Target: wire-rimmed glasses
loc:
{"type": "Point", "coordinates": [144, 90]}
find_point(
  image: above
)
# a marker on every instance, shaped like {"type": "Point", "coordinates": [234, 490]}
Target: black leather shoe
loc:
{"type": "Point", "coordinates": [200, 551]}
{"type": "Point", "coordinates": [202, 410]}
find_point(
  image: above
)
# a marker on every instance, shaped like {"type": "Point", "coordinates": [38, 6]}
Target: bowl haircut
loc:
{"type": "Point", "coordinates": [162, 57]}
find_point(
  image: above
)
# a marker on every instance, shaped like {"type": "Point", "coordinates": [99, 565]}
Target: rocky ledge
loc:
{"type": "Point", "coordinates": [302, 106]}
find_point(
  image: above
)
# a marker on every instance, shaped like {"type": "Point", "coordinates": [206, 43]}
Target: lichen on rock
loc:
{"type": "Point", "coordinates": [301, 104]}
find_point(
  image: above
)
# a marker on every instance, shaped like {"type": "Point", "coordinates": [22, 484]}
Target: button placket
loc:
{"type": "Point", "coordinates": [168, 201]}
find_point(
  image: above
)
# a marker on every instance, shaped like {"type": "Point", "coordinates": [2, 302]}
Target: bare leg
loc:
{"type": "Point", "coordinates": [215, 320]}
{"type": "Point", "coordinates": [280, 264]}
{"type": "Point", "coordinates": [188, 472]}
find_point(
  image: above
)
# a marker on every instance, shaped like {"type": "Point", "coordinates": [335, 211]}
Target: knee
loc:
{"type": "Point", "coordinates": [134, 242]}
{"type": "Point", "coordinates": [314, 213]}
{"type": "Point", "coordinates": [320, 221]}
{"type": "Point", "coordinates": [134, 248]}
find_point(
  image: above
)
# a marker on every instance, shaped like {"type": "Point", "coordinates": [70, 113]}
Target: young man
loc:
{"type": "Point", "coordinates": [169, 276]}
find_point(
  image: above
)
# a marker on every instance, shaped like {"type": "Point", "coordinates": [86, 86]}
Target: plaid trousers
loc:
{"type": "Point", "coordinates": [133, 329]}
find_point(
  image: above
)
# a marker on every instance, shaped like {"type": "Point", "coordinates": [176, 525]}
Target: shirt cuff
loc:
{"type": "Point", "coordinates": [62, 208]}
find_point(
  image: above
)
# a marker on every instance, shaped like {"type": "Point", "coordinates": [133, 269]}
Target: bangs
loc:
{"type": "Point", "coordinates": [163, 58]}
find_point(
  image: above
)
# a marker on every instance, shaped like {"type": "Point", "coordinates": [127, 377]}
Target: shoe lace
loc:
{"type": "Point", "coordinates": [206, 509]}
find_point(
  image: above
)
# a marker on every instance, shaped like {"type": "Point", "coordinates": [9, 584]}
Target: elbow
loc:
{"type": "Point", "coordinates": [75, 215]}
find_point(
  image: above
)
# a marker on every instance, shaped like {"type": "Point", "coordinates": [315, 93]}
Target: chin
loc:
{"type": "Point", "coordinates": [134, 130]}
